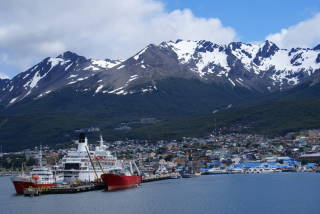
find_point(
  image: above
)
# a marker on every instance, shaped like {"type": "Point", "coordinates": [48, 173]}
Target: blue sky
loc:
{"type": "Point", "coordinates": [252, 19]}
{"type": "Point", "coordinates": [35, 29]}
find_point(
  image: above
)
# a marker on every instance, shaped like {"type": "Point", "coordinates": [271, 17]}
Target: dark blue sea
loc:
{"type": "Point", "coordinates": [283, 193]}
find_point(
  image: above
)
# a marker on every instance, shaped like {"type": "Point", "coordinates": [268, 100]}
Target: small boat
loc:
{"type": "Point", "coordinates": [235, 170]}
{"type": "Point", "coordinates": [124, 178]}
{"type": "Point", "coordinates": [289, 169]}
{"type": "Point", "coordinates": [260, 170]}
{"type": "Point", "coordinates": [175, 176]}
{"type": "Point", "coordinates": [190, 175]}
{"type": "Point", "coordinates": [216, 171]}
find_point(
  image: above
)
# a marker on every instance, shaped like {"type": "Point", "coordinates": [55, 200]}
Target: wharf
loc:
{"type": "Point", "coordinates": [160, 177]}
{"type": "Point", "coordinates": [69, 189]}
{"type": "Point", "coordinates": [64, 189]}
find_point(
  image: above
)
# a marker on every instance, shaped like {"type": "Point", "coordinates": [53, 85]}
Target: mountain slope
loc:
{"type": "Point", "coordinates": [178, 83]}
{"type": "Point", "coordinates": [60, 113]}
{"type": "Point", "coordinates": [277, 114]}
{"type": "Point", "coordinates": [263, 67]}
{"type": "Point", "coordinates": [51, 74]}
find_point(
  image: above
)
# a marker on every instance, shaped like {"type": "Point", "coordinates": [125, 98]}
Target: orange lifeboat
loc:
{"type": "Point", "coordinates": [35, 177]}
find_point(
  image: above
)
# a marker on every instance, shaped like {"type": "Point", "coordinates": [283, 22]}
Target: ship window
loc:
{"type": "Point", "coordinates": [72, 166]}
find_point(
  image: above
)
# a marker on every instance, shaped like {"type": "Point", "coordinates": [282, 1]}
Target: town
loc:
{"type": "Point", "coordinates": [214, 154]}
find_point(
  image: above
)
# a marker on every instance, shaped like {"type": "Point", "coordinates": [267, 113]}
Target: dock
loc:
{"type": "Point", "coordinates": [152, 178]}
{"type": "Point", "coordinates": [72, 188]}
{"type": "Point", "coordinates": [63, 189]}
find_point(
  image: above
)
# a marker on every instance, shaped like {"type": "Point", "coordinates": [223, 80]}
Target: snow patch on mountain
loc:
{"type": "Point", "coordinates": [54, 61]}
{"type": "Point", "coordinates": [67, 68]}
{"type": "Point", "coordinates": [121, 66]}
{"type": "Point", "coordinates": [132, 78]}
{"type": "Point", "coordinates": [148, 89]}
{"type": "Point", "coordinates": [72, 76]}
{"type": "Point", "coordinates": [215, 57]}
{"type": "Point", "coordinates": [106, 64]}
{"type": "Point", "coordinates": [32, 83]}
{"type": "Point", "coordinates": [184, 49]}
{"type": "Point", "coordinates": [43, 94]}
{"type": "Point", "coordinates": [36, 78]}
{"type": "Point", "coordinates": [245, 54]}
{"type": "Point", "coordinates": [77, 80]}
{"type": "Point", "coordinates": [13, 100]}
{"type": "Point", "coordinates": [98, 89]}
{"type": "Point", "coordinates": [137, 56]}
{"type": "Point", "coordinates": [231, 82]}
{"type": "Point", "coordinates": [118, 91]}
{"type": "Point", "coordinates": [92, 68]}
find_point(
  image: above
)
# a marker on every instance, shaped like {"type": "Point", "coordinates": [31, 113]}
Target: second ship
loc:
{"type": "Point", "coordinates": [83, 165]}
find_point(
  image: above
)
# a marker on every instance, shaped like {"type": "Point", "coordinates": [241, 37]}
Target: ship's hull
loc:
{"type": "Point", "coordinates": [21, 184]}
{"type": "Point", "coordinates": [117, 182]}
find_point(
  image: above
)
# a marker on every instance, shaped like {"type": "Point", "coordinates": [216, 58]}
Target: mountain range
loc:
{"type": "Point", "coordinates": [172, 81]}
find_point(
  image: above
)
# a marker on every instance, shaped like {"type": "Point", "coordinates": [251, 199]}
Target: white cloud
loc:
{"type": "Point", "coordinates": [34, 29]}
{"type": "Point", "coordinates": [303, 34]}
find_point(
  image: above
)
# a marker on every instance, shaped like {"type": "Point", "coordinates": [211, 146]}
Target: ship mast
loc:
{"type": "Point", "coordinates": [22, 170]}
{"type": "Point", "coordinates": [94, 169]}
{"type": "Point", "coordinates": [101, 148]}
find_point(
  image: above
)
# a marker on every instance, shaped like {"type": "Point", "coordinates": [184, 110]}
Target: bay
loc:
{"type": "Point", "coordinates": [285, 193]}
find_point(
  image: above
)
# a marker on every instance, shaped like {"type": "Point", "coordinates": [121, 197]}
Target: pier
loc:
{"type": "Point", "coordinates": [70, 189]}
{"type": "Point", "coordinates": [159, 177]}
{"type": "Point", "coordinates": [63, 189]}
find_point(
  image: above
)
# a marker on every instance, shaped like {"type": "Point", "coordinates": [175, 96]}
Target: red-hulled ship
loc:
{"type": "Point", "coordinates": [39, 177]}
{"type": "Point", "coordinates": [22, 182]}
{"type": "Point", "coordinates": [122, 178]}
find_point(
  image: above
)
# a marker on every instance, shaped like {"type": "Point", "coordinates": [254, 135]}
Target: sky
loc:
{"type": "Point", "coordinates": [35, 29]}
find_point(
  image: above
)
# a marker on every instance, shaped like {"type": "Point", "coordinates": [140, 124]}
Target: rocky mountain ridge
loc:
{"type": "Point", "coordinates": [262, 67]}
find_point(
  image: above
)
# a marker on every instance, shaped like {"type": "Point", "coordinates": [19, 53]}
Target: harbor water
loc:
{"type": "Point", "coordinates": [285, 193]}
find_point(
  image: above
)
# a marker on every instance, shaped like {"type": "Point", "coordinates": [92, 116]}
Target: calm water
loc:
{"type": "Point", "coordinates": [216, 194]}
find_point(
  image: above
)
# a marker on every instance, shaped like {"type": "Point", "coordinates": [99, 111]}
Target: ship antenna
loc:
{"type": "Point", "coordinates": [40, 156]}
{"type": "Point", "coordinates": [101, 141]}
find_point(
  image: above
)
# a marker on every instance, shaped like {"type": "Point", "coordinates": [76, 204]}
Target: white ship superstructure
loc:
{"type": "Point", "coordinates": [77, 166]}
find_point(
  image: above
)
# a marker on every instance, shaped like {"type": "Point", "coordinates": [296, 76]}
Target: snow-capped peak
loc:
{"type": "Point", "coordinates": [236, 64]}
{"type": "Point", "coordinates": [183, 49]}
{"type": "Point", "coordinates": [3, 76]}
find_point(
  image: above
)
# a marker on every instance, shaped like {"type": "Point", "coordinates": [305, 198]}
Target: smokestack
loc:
{"type": "Point", "coordinates": [82, 138]}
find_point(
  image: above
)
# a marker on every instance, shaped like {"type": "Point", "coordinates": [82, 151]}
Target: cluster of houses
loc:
{"type": "Point", "coordinates": [216, 154]}
{"type": "Point", "coordinates": [231, 153]}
